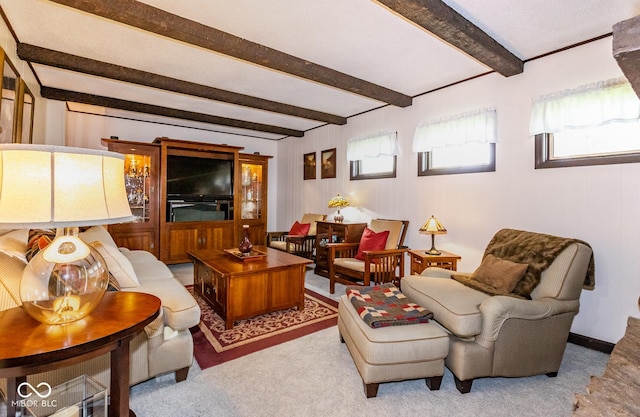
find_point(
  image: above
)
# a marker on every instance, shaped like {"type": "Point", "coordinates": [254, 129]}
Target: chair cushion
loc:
{"type": "Point", "coordinates": [358, 265]}
{"type": "Point", "coordinates": [454, 305]}
{"type": "Point", "coordinates": [299, 229]}
{"type": "Point", "coordinates": [371, 240]}
{"type": "Point", "coordinates": [312, 218]}
{"type": "Point", "coordinates": [393, 226]}
{"type": "Point", "coordinates": [281, 245]}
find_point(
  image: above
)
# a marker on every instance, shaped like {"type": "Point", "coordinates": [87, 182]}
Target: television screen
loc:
{"type": "Point", "coordinates": [199, 179]}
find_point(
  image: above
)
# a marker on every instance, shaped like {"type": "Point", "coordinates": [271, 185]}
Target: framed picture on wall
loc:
{"type": "Point", "coordinates": [328, 161]}
{"type": "Point", "coordinates": [310, 166]}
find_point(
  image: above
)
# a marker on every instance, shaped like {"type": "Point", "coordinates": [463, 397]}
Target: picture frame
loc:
{"type": "Point", "coordinates": [328, 163]}
{"type": "Point", "coordinates": [309, 161]}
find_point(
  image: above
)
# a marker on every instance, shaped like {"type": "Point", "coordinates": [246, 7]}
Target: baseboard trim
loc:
{"type": "Point", "coordinates": [591, 343]}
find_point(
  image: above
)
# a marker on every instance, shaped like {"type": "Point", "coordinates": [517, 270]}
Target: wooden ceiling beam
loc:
{"type": "Point", "coordinates": [77, 97]}
{"type": "Point", "coordinates": [76, 63]}
{"type": "Point", "coordinates": [626, 50]}
{"type": "Point", "coordinates": [160, 22]}
{"type": "Point", "coordinates": [444, 22]}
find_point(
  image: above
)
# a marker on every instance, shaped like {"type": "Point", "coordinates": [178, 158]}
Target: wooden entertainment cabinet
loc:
{"type": "Point", "coordinates": [156, 231]}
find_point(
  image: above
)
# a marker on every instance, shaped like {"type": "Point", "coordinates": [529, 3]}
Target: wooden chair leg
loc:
{"type": "Point", "coordinates": [370, 390]}
{"type": "Point", "coordinates": [463, 386]}
{"type": "Point", "coordinates": [433, 383]}
{"type": "Point", "coordinates": [181, 374]}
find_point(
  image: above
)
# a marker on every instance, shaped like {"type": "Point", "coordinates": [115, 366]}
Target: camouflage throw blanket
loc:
{"type": "Point", "coordinates": [384, 305]}
{"type": "Point", "coordinates": [536, 249]}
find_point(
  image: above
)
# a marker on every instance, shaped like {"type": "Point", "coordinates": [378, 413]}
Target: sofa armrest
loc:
{"type": "Point", "coordinates": [498, 309]}
{"type": "Point", "coordinates": [155, 331]}
{"type": "Point", "coordinates": [437, 272]}
{"type": "Point", "coordinates": [181, 310]}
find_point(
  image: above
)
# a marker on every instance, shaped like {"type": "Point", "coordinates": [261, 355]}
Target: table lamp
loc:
{"type": "Point", "coordinates": [339, 202]}
{"type": "Point", "coordinates": [433, 227]}
{"type": "Point", "coordinates": [61, 187]}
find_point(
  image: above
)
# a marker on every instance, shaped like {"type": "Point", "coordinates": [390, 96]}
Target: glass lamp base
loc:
{"type": "Point", "coordinates": [65, 281]}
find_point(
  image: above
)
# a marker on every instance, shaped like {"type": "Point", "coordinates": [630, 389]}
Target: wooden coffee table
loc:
{"type": "Point", "coordinates": [30, 347]}
{"type": "Point", "coordinates": [238, 289]}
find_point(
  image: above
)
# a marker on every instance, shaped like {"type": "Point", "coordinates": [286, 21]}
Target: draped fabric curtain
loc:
{"type": "Point", "coordinates": [479, 126]}
{"type": "Point", "coordinates": [385, 143]}
{"type": "Point", "coordinates": [587, 106]}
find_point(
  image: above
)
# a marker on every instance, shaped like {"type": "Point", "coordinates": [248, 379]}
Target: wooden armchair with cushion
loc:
{"type": "Point", "coordinates": [377, 258]}
{"type": "Point", "coordinates": [511, 317]}
{"type": "Point", "coordinates": [300, 240]}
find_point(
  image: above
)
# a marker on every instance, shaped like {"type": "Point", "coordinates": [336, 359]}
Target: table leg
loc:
{"type": "Point", "coordinates": [119, 404]}
{"type": "Point", "coordinates": [228, 324]}
{"type": "Point", "coordinates": [12, 389]}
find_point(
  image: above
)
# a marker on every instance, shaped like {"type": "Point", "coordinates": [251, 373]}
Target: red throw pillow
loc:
{"type": "Point", "coordinates": [371, 240]}
{"type": "Point", "coordinates": [300, 229]}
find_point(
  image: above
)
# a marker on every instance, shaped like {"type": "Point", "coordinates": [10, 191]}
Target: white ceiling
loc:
{"type": "Point", "coordinates": [361, 38]}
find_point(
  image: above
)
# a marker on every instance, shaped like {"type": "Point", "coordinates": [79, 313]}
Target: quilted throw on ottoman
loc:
{"type": "Point", "coordinates": [384, 305]}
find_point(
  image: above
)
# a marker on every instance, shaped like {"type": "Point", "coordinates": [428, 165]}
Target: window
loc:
{"type": "Point", "coordinates": [458, 159]}
{"type": "Point", "coordinates": [373, 156]}
{"type": "Point", "coordinates": [596, 124]}
{"type": "Point", "coordinates": [456, 145]}
{"type": "Point", "coordinates": [616, 143]}
{"type": "Point", "coordinates": [367, 168]}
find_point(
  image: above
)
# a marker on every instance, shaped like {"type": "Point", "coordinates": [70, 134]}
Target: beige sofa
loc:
{"type": "Point", "coordinates": [165, 346]}
{"type": "Point", "coordinates": [501, 335]}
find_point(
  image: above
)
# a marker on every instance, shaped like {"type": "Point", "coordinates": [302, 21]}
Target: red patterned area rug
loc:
{"type": "Point", "coordinates": [214, 345]}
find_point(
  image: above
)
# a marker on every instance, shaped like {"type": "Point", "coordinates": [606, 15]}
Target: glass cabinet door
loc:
{"type": "Point", "coordinates": [251, 189]}
{"type": "Point", "coordinates": [137, 179]}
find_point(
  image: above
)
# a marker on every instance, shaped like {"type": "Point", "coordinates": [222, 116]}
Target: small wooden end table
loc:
{"type": "Point", "coordinates": [29, 347]}
{"type": "Point", "coordinates": [421, 260]}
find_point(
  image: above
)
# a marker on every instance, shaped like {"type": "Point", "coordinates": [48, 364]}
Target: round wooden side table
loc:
{"type": "Point", "coordinates": [29, 347]}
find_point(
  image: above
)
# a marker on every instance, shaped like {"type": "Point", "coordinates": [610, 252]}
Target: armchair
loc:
{"type": "Point", "coordinates": [354, 263]}
{"type": "Point", "coordinates": [297, 244]}
{"type": "Point", "coordinates": [506, 335]}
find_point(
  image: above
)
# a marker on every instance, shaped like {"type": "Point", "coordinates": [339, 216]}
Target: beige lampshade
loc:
{"type": "Point", "coordinates": [45, 187]}
{"type": "Point", "coordinates": [433, 226]}
{"type": "Point", "coordinates": [55, 186]}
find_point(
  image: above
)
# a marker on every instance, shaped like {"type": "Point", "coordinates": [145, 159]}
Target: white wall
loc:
{"type": "Point", "coordinates": [598, 204]}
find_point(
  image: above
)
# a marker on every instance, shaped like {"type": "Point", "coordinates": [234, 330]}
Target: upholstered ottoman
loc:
{"type": "Point", "coordinates": [393, 353]}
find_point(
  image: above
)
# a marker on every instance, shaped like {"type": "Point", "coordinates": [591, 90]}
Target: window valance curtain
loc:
{"type": "Point", "coordinates": [476, 126]}
{"type": "Point", "coordinates": [590, 105]}
{"type": "Point", "coordinates": [385, 143]}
